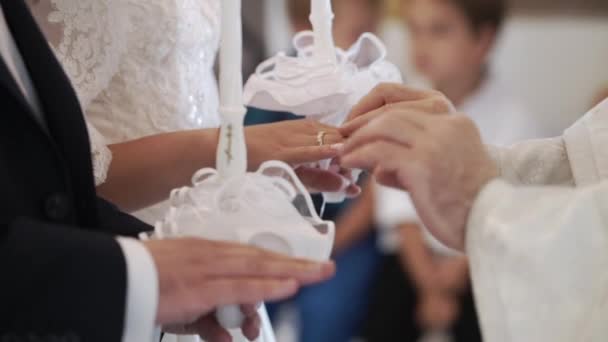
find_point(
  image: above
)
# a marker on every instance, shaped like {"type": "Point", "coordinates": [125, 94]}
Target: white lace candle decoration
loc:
{"type": "Point", "coordinates": [270, 208]}
{"type": "Point", "coordinates": [321, 82]}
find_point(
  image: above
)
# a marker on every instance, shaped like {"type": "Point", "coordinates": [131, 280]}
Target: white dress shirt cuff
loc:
{"type": "Point", "coordinates": [142, 292]}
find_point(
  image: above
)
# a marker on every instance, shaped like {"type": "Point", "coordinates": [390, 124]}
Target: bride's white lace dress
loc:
{"type": "Point", "coordinates": [140, 67]}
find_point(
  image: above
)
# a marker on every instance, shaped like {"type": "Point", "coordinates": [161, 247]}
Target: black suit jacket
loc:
{"type": "Point", "coordinates": [62, 272]}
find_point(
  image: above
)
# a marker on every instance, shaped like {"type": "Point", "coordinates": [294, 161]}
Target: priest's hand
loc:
{"type": "Point", "coordinates": [404, 136]}
{"type": "Point", "coordinates": [197, 276]}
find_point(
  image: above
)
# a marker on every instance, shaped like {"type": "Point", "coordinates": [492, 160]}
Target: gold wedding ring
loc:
{"type": "Point", "coordinates": [321, 138]}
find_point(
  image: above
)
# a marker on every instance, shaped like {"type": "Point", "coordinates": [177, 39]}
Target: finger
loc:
{"type": "Point", "coordinates": [219, 259]}
{"type": "Point", "coordinates": [308, 131]}
{"type": "Point", "coordinates": [353, 125]}
{"type": "Point", "coordinates": [387, 179]}
{"type": "Point", "coordinates": [411, 108]}
{"type": "Point", "coordinates": [250, 310]}
{"type": "Point", "coordinates": [204, 250]}
{"type": "Point", "coordinates": [421, 109]}
{"type": "Point", "coordinates": [317, 180]}
{"type": "Point", "coordinates": [310, 154]}
{"type": "Point", "coordinates": [395, 128]}
{"type": "Point", "coordinates": [353, 191]}
{"type": "Point", "coordinates": [332, 135]}
{"type": "Point", "coordinates": [213, 293]}
{"type": "Point", "coordinates": [384, 94]}
{"type": "Point", "coordinates": [267, 266]}
{"type": "Point", "coordinates": [251, 327]}
{"type": "Point", "coordinates": [209, 329]}
{"type": "Point", "coordinates": [379, 154]}
{"type": "Point", "coordinates": [215, 251]}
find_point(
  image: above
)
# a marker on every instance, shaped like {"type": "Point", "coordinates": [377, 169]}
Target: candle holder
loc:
{"type": "Point", "coordinates": [321, 82]}
{"type": "Point", "coordinates": [270, 209]}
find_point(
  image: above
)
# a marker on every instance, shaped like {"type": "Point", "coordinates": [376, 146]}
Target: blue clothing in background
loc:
{"type": "Point", "coordinates": [334, 311]}
{"type": "Point", "coordinates": [259, 116]}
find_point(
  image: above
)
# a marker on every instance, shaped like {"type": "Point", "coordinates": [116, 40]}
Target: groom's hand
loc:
{"type": "Point", "coordinates": [210, 330]}
{"type": "Point", "coordinates": [197, 276]}
{"type": "Point", "coordinates": [400, 134]}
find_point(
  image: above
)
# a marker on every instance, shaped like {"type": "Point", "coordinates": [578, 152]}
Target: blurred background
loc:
{"type": "Point", "coordinates": [520, 69]}
{"type": "Point", "coordinates": [552, 52]}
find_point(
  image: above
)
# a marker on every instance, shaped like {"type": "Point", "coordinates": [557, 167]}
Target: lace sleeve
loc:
{"type": "Point", "coordinates": [88, 38]}
{"type": "Point", "coordinates": [535, 162]}
{"type": "Point", "coordinates": [102, 157]}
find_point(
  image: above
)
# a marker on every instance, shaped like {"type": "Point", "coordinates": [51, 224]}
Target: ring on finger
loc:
{"type": "Point", "coordinates": [321, 138]}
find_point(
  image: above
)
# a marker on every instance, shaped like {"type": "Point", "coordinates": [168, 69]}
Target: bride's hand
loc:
{"type": "Point", "coordinates": [294, 142]}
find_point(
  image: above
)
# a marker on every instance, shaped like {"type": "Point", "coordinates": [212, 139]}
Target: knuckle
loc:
{"type": "Point", "coordinates": [245, 289]}
{"type": "Point", "coordinates": [440, 104]}
{"type": "Point", "coordinates": [389, 107]}
{"type": "Point", "coordinates": [432, 147]}
{"type": "Point", "coordinates": [393, 121]}
{"type": "Point", "coordinates": [310, 125]}
{"type": "Point", "coordinates": [463, 122]}
{"type": "Point", "coordinates": [435, 93]}
{"type": "Point", "coordinates": [256, 266]}
{"type": "Point", "coordinates": [391, 91]}
{"type": "Point", "coordinates": [253, 289]}
{"type": "Point", "coordinates": [383, 87]}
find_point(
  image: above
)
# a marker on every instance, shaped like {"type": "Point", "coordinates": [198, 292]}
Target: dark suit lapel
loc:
{"type": "Point", "coordinates": [9, 84]}
{"type": "Point", "coordinates": [59, 103]}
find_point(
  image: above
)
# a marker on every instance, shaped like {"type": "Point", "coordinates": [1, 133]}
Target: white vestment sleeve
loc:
{"type": "Point", "coordinates": [577, 158]}
{"type": "Point", "coordinates": [534, 162]}
{"type": "Point", "coordinates": [142, 292]}
{"type": "Point", "coordinates": [539, 262]}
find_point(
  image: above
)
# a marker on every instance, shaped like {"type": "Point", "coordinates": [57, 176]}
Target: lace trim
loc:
{"type": "Point", "coordinates": [101, 155]}
{"type": "Point", "coordinates": [92, 42]}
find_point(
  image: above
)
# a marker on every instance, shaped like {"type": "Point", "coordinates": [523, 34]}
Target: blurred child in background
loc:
{"type": "Point", "coordinates": [601, 95]}
{"type": "Point", "coordinates": [423, 291]}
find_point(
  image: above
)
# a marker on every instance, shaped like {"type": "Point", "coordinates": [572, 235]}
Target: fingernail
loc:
{"type": "Point", "coordinates": [329, 268]}
{"type": "Point", "coordinates": [345, 183]}
{"type": "Point", "coordinates": [354, 193]}
{"type": "Point", "coordinates": [318, 267]}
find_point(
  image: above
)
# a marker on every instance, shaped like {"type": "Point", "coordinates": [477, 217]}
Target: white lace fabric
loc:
{"type": "Point", "coordinates": [140, 67]}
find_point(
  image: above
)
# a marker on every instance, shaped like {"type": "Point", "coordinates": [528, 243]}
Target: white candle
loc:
{"type": "Point", "coordinates": [231, 55]}
{"type": "Point", "coordinates": [321, 17]}
{"type": "Point", "coordinates": [231, 157]}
